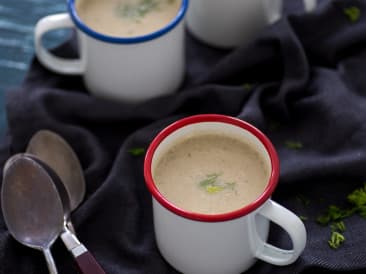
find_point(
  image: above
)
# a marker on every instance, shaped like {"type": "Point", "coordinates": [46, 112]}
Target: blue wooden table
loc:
{"type": "Point", "coordinates": [17, 21]}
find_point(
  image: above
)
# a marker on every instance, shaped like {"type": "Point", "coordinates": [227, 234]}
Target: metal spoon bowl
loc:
{"type": "Point", "coordinates": [84, 259]}
{"type": "Point", "coordinates": [52, 149]}
{"type": "Point", "coordinates": [31, 205]}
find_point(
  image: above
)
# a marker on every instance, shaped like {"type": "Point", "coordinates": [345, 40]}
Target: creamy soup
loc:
{"type": "Point", "coordinates": [211, 174]}
{"type": "Point", "coordinates": [127, 18]}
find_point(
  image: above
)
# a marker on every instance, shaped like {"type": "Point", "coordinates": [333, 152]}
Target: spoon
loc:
{"type": "Point", "coordinates": [58, 155]}
{"type": "Point", "coordinates": [56, 198]}
{"type": "Point", "coordinates": [84, 259]}
{"type": "Point", "coordinates": [52, 149]}
{"type": "Point", "coordinates": [31, 206]}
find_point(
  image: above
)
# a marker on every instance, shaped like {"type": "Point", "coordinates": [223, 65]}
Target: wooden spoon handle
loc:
{"type": "Point", "coordinates": [88, 265]}
{"type": "Point", "coordinates": [84, 259]}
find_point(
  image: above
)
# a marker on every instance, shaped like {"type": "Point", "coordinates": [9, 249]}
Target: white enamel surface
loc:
{"type": "Point", "coordinates": [196, 247]}
{"type": "Point", "coordinates": [233, 23]}
{"type": "Point", "coordinates": [291, 224]}
{"type": "Point", "coordinates": [134, 72]}
{"type": "Point", "coordinates": [52, 62]}
{"type": "Point", "coordinates": [126, 72]}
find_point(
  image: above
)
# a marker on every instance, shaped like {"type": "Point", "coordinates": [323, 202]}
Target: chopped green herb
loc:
{"type": "Point", "coordinates": [323, 219]}
{"type": "Point", "coordinates": [210, 180]}
{"type": "Point", "coordinates": [353, 13]}
{"type": "Point", "coordinates": [138, 10]}
{"type": "Point", "coordinates": [212, 184]}
{"type": "Point", "coordinates": [333, 214]}
{"type": "Point", "coordinates": [337, 213]}
{"type": "Point", "coordinates": [358, 197]}
{"type": "Point", "coordinates": [214, 189]}
{"type": "Point", "coordinates": [362, 211]}
{"type": "Point", "coordinates": [274, 125]}
{"type": "Point", "coordinates": [336, 240]}
{"type": "Point", "coordinates": [247, 86]}
{"type": "Point", "coordinates": [303, 218]}
{"type": "Point", "coordinates": [338, 226]}
{"type": "Point", "coordinates": [293, 145]}
{"type": "Point", "coordinates": [137, 151]}
{"type": "Point", "coordinates": [303, 200]}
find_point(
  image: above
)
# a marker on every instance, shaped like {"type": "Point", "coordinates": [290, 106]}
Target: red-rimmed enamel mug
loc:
{"type": "Point", "coordinates": [228, 242]}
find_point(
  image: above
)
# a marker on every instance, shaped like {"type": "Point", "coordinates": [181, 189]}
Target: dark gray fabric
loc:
{"type": "Point", "coordinates": [302, 80]}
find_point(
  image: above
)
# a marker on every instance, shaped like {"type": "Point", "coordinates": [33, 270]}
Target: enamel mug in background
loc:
{"type": "Point", "coordinates": [231, 242]}
{"type": "Point", "coordinates": [129, 69]}
{"type": "Point", "coordinates": [232, 23]}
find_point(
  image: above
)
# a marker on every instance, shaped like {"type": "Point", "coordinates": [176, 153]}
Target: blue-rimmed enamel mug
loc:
{"type": "Point", "coordinates": [131, 68]}
{"type": "Point", "coordinates": [233, 23]}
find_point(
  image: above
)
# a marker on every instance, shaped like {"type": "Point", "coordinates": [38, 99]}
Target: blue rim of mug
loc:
{"type": "Point", "coordinates": [126, 40]}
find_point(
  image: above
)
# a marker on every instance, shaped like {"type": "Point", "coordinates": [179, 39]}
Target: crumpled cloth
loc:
{"type": "Point", "coordinates": [302, 82]}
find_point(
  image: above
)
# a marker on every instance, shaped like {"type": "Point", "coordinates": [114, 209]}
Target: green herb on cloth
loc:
{"type": "Point", "coordinates": [303, 218]}
{"type": "Point", "coordinates": [303, 200]}
{"type": "Point", "coordinates": [136, 151]}
{"type": "Point", "coordinates": [336, 237]}
{"type": "Point", "coordinates": [358, 199]}
{"type": "Point", "coordinates": [334, 215]}
{"type": "Point", "coordinates": [336, 240]}
{"type": "Point", "coordinates": [247, 86]}
{"type": "Point", "coordinates": [338, 226]}
{"type": "Point", "coordinates": [353, 13]}
{"type": "Point", "coordinates": [293, 145]}
{"type": "Point", "coordinates": [274, 125]}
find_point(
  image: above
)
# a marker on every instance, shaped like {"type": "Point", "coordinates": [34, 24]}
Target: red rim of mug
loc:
{"type": "Point", "coordinates": [212, 217]}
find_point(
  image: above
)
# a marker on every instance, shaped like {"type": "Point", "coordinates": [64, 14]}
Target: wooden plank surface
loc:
{"type": "Point", "coordinates": [17, 21]}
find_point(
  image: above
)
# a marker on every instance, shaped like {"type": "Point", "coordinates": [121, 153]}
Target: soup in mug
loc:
{"type": "Point", "coordinates": [211, 173]}
{"type": "Point", "coordinates": [127, 18]}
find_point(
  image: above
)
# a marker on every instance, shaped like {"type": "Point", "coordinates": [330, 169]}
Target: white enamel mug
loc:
{"type": "Point", "coordinates": [233, 23]}
{"type": "Point", "coordinates": [130, 69]}
{"type": "Point", "coordinates": [229, 243]}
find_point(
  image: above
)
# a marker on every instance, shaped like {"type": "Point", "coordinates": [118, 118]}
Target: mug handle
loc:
{"type": "Point", "coordinates": [274, 8]}
{"type": "Point", "coordinates": [291, 224]}
{"type": "Point", "coordinates": [52, 62]}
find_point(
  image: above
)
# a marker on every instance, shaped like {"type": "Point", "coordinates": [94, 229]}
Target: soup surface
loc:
{"type": "Point", "coordinates": [211, 174]}
{"type": "Point", "coordinates": [127, 18]}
